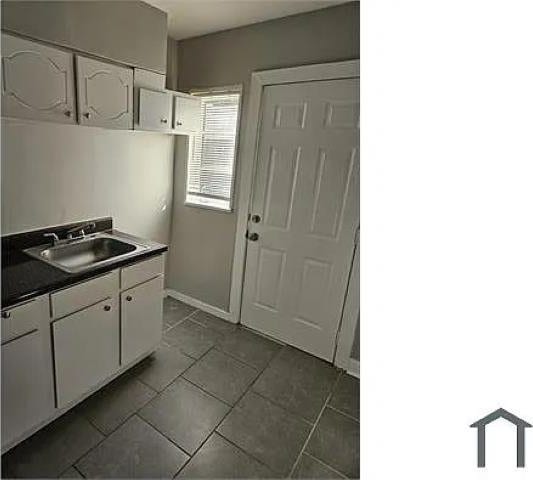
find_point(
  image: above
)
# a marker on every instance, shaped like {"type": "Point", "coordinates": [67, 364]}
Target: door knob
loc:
{"type": "Point", "coordinates": [107, 308]}
{"type": "Point", "coordinates": [253, 237]}
{"type": "Point", "coordinates": [256, 218]}
{"type": "Point", "coordinates": [129, 298]}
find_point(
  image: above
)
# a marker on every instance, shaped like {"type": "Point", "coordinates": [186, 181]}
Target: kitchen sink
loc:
{"type": "Point", "coordinates": [75, 256]}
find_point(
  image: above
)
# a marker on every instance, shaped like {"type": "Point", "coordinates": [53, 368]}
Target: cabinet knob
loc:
{"type": "Point", "coordinates": [179, 124]}
{"type": "Point", "coordinates": [6, 314]}
{"type": "Point", "coordinates": [129, 298]}
{"type": "Point", "coordinates": [107, 308]}
{"type": "Point", "coordinates": [68, 113]}
{"type": "Point", "coordinates": [256, 218]}
{"type": "Point", "coordinates": [164, 120]}
{"type": "Point", "coordinates": [87, 114]}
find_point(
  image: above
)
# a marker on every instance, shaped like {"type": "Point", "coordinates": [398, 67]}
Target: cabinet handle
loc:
{"type": "Point", "coordinates": [87, 114]}
{"type": "Point", "coordinates": [179, 124]}
{"type": "Point", "coordinates": [68, 113]}
{"type": "Point", "coordinates": [6, 314]}
{"type": "Point", "coordinates": [107, 308]}
{"type": "Point", "coordinates": [164, 120]}
{"type": "Point", "coordinates": [129, 298]}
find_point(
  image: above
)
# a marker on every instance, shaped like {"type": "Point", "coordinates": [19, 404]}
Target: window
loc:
{"type": "Point", "coordinates": [211, 168]}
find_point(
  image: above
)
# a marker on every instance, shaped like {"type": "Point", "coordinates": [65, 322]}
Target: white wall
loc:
{"type": "Point", "coordinates": [54, 174]}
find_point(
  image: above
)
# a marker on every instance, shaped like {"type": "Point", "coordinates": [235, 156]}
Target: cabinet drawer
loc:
{"type": "Point", "coordinates": [84, 294]}
{"type": "Point", "coordinates": [86, 349]}
{"type": "Point", "coordinates": [20, 320]}
{"type": "Point", "coordinates": [141, 272]}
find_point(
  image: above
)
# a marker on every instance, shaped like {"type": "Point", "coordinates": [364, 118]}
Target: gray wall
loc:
{"type": "Point", "coordinates": [54, 174]}
{"type": "Point", "coordinates": [129, 32]}
{"type": "Point", "coordinates": [172, 64]}
{"type": "Point", "coordinates": [202, 241]}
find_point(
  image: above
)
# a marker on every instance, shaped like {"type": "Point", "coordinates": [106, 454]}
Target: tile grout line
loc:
{"type": "Point", "coordinates": [74, 467]}
{"type": "Point", "coordinates": [107, 435]}
{"type": "Point", "coordinates": [293, 414]}
{"type": "Point", "coordinates": [343, 413]}
{"type": "Point", "coordinates": [181, 321]}
{"type": "Point", "coordinates": [222, 420]}
{"type": "Point", "coordinates": [142, 419]}
{"type": "Point", "coordinates": [260, 370]}
{"type": "Point", "coordinates": [313, 428]}
{"type": "Point", "coordinates": [325, 464]}
{"type": "Point", "coordinates": [248, 454]}
{"type": "Point", "coordinates": [212, 431]}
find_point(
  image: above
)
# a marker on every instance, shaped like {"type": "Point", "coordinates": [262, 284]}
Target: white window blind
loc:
{"type": "Point", "coordinates": [211, 165]}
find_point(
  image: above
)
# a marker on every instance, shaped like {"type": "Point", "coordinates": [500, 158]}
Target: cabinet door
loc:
{"type": "Point", "coordinates": [27, 378]}
{"type": "Point", "coordinates": [86, 349]}
{"type": "Point", "coordinates": [105, 94]}
{"type": "Point", "coordinates": [187, 114]}
{"type": "Point", "coordinates": [155, 110]}
{"type": "Point", "coordinates": [142, 319]}
{"type": "Point", "coordinates": [37, 81]}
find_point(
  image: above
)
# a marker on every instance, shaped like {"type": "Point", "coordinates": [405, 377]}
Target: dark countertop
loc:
{"type": "Point", "coordinates": [25, 277]}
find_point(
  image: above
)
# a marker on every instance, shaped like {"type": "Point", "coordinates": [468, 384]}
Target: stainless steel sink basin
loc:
{"type": "Point", "coordinates": [89, 252]}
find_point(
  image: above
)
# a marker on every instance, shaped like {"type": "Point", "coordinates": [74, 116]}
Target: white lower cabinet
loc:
{"type": "Point", "coordinates": [83, 336]}
{"type": "Point", "coordinates": [86, 349]}
{"type": "Point", "coordinates": [142, 319]}
{"type": "Point", "coordinates": [27, 379]}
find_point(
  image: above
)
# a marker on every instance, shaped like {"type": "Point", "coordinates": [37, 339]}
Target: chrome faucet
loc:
{"type": "Point", "coordinates": [54, 237]}
{"type": "Point", "coordinates": [81, 229]}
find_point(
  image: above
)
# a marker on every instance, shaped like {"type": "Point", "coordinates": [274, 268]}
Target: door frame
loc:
{"type": "Point", "coordinates": [248, 154]}
{"type": "Point", "coordinates": [350, 318]}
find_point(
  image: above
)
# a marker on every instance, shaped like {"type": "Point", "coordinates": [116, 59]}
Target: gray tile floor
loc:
{"type": "Point", "coordinates": [214, 401]}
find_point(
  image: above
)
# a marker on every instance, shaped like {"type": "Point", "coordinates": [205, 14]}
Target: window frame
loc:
{"type": "Point", "coordinates": [199, 92]}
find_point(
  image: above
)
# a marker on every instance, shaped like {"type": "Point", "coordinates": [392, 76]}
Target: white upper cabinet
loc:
{"type": "Point", "coordinates": [187, 114]}
{"type": "Point", "coordinates": [37, 81]}
{"type": "Point", "coordinates": [155, 110]}
{"type": "Point", "coordinates": [105, 94]}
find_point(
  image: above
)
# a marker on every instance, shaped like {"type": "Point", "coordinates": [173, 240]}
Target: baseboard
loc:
{"type": "Point", "coordinates": [193, 302]}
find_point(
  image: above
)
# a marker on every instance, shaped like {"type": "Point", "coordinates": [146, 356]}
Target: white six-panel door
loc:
{"type": "Point", "coordinates": [304, 212]}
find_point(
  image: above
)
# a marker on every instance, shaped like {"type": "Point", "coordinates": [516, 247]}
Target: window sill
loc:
{"type": "Point", "coordinates": [208, 207]}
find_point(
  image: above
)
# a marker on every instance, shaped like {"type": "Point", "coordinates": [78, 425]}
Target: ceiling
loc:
{"type": "Point", "coordinates": [191, 18]}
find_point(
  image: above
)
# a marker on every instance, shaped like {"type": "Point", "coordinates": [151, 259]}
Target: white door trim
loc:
{"type": "Point", "coordinates": [248, 155]}
{"type": "Point", "coordinates": [350, 316]}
